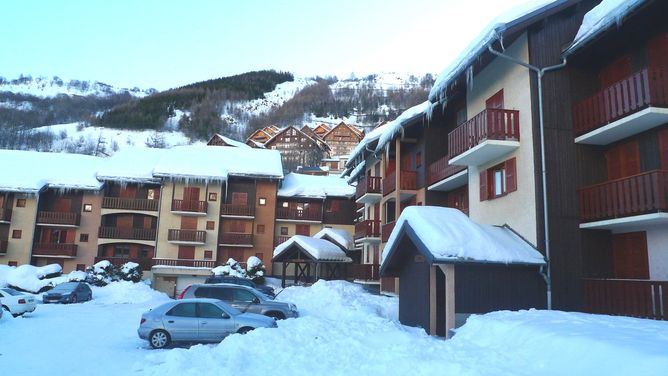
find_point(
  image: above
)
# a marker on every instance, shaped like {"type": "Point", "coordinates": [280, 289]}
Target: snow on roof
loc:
{"type": "Point", "coordinates": [31, 171]}
{"type": "Point", "coordinates": [318, 249]}
{"type": "Point", "coordinates": [340, 236]}
{"type": "Point", "coordinates": [492, 32]}
{"type": "Point", "coordinates": [369, 138]}
{"type": "Point", "coordinates": [356, 171]}
{"type": "Point", "coordinates": [132, 165]}
{"type": "Point", "coordinates": [450, 236]}
{"type": "Point", "coordinates": [210, 163]}
{"type": "Point", "coordinates": [232, 142]}
{"type": "Point", "coordinates": [312, 186]}
{"type": "Point", "coordinates": [396, 125]}
{"type": "Point", "coordinates": [600, 19]}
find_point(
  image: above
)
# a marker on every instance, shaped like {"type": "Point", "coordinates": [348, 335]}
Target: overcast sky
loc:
{"type": "Point", "coordinates": [164, 44]}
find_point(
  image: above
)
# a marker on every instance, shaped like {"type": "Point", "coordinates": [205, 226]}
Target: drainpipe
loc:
{"type": "Point", "coordinates": [540, 72]}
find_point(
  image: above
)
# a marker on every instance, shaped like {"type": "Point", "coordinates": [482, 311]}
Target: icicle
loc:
{"type": "Point", "coordinates": [503, 48]}
{"type": "Point", "coordinates": [469, 77]}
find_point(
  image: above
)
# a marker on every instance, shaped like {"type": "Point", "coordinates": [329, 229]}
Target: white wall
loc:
{"type": "Point", "coordinates": [657, 252]}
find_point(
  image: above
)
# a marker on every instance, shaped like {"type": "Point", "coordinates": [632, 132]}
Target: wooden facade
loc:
{"type": "Point", "coordinates": [343, 138]}
{"type": "Point", "coordinates": [297, 148]}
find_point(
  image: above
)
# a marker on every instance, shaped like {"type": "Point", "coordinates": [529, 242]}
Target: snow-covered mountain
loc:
{"type": "Point", "coordinates": [45, 87]}
{"type": "Point", "coordinates": [380, 81]}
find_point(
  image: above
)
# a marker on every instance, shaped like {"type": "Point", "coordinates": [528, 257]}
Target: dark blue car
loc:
{"type": "Point", "coordinates": [68, 292]}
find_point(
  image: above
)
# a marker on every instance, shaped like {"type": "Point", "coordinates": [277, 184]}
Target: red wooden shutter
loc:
{"type": "Point", "coordinates": [612, 157]}
{"type": "Point", "coordinates": [630, 159]}
{"type": "Point", "coordinates": [663, 148]}
{"type": "Point", "coordinates": [483, 185]}
{"type": "Point", "coordinates": [615, 71]}
{"type": "Point", "coordinates": [511, 175]}
{"type": "Point", "coordinates": [629, 253]}
{"type": "Point", "coordinates": [495, 101]}
{"type": "Point", "coordinates": [186, 252]}
{"type": "Point", "coordinates": [406, 162]}
{"type": "Point", "coordinates": [303, 230]}
{"type": "Point", "coordinates": [239, 198]}
{"type": "Point", "coordinates": [189, 223]}
{"type": "Point", "coordinates": [657, 51]}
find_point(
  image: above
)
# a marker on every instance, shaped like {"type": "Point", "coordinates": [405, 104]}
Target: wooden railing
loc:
{"type": "Point", "coordinates": [368, 184]}
{"type": "Point", "coordinates": [386, 231]}
{"type": "Point", "coordinates": [648, 87]}
{"type": "Point", "coordinates": [440, 170]}
{"type": "Point", "coordinates": [196, 236]}
{"type": "Point", "coordinates": [3, 246]}
{"type": "Point", "coordinates": [238, 210]}
{"type": "Point", "coordinates": [5, 214]}
{"type": "Point", "coordinates": [189, 206]}
{"type": "Point", "coordinates": [280, 239]}
{"type": "Point", "coordinates": [636, 298]}
{"type": "Point", "coordinates": [124, 203]}
{"type": "Point", "coordinates": [144, 263]}
{"type": "Point", "coordinates": [310, 214]}
{"type": "Point", "coordinates": [58, 218]}
{"type": "Point", "coordinates": [633, 195]}
{"type": "Point", "coordinates": [490, 124]}
{"type": "Point", "coordinates": [408, 181]}
{"type": "Point", "coordinates": [367, 229]}
{"type": "Point", "coordinates": [55, 249]}
{"type": "Point", "coordinates": [106, 232]}
{"type": "Point", "coordinates": [185, 262]}
{"type": "Point", "coordinates": [366, 272]}
{"type": "Point", "coordinates": [236, 238]}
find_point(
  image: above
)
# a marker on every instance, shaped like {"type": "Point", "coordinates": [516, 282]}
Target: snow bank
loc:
{"type": "Point", "coordinates": [124, 292]}
{"type": "Point", "coordinates": [29, 277]}
{"type": "Point", "coordinates": [312, 186]}
{"type": "Point", "coordinates": [319, 249]}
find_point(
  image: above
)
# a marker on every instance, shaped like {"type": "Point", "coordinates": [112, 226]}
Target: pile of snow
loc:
{"type": "Point", "coordinates": [132, 165]}
{"type": "Point", "coordinates": [314, 186]}
{"type": "Point", "coordinates": [51, 87]}
{"type": "Point", "coordinates": [340, 236]}
{"type": "Point", "coordinates": [33, 278]}
{"type": "Point", "coordinates": [231, 268]}
{"type": "Point", "coordinates": [318, 249]}
{"type": "Point", "coordinates": [125, 292]}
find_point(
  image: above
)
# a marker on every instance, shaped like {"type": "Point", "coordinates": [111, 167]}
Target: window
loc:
{"type": "Point", "coordinates": [122, 251]}
{"type": "Point", "coordinates": [21, 203]}
{"type": "Point", "coordinates": [499, 180]}
{"type": "Point", "coordinates": [143, 252]}
{"type": "Point", "coordinates": [284, 231]}
{"type": "Point", "coordinates": [208, 255]}
{"type": "Point", "coordinates": [243, 296]}
{"type": "Point", "coordinates": [88, 208]}
{"type": "Point", "coordinates": [333, 206]}
{"type": "Point", "coordinates": [260, 229]}
{"type": "Point", "coordinates": [83, 238]}
{"type": "Point", "coordinates": [287, 139]}
{"type": "Point", "coordinates": [16, 234]}
{"type": "Point", "coordinates": [210, 225]}
{"type": "Point", "coordinates": [210, 311]}
{"type": "Point", "coordinates": [81, 267]}
{"type": "Point", "coordinates": [151, 194]}
{"type": "Point", "coordinates": [238, 226]}
{"type": "Point", "coordinates": [262, 201]}
{"type": "Point", "coordinates": [213, 196]}
{"type": "Point", "coordinates": [418, 159]}
{"type": "Point", "coordinates": [12, 263]}
{"type": "Point", "coordinates": [183, 310]}
{"type": "Point", "coordinates": [285, 204]}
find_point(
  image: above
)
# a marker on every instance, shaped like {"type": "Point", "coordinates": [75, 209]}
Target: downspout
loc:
{"type": "Point", "coordinates": [540, 72]}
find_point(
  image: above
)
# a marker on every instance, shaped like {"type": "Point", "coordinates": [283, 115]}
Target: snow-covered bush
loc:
{"type": "Point", "coordinates": [104, 272]}
{"type": "Point", "coordinates": [231, 268]}
{"type": "Point", "coordinates": [255, 270]}
{"type": "Point", "coordinates": [130, 271]}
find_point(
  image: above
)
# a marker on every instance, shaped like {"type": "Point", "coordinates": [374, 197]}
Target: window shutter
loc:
{"type": "Point", "coordinates": [663, 148]}
{"type": "Point", "coordinates": [614, 163]}
{"type": "Point", "coordinates": [483, 185]}
{"type": "Point", "coordinates": [615, 71]}
{"type": "Point", "coordinates": [511, 175]}
{"type": "Point", "coordinates": [657, 51]}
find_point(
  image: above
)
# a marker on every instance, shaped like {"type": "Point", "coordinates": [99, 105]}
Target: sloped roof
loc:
{"type": "Point", "coordinates": [366, 143]}
{"type": "Point", "coordinates": [318, 142]}
{"type": "Point", "coordinates": [396, 125]}
{"type": "Point", "coordinates": [314, 186]}
{"type": "Point", "coordinates": [446, 235]}
{"type": "Point", "coordinates": [226, 140]}
{"type": "Point", "coordinates": [315, 249]}
{"type": "Point", "coordinates": [338, 236]}
{"type": "Point", "coordinates": [356, 131]}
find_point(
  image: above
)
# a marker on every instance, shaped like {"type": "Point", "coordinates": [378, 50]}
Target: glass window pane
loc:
{"type": "Point", "coordinates": [183, 310]}
{"type": "Point", "coordinates": [209, 310]}
{"type": "Point", "coordinates": [498, 183]}
{"type": "Point", "coordinates": [243, 296]}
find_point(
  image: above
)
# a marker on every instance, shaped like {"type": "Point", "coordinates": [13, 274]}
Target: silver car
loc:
{"type": "Point", "coordinates": [243, 298]}
{"type": "Point", "coordinates": [196, 320]}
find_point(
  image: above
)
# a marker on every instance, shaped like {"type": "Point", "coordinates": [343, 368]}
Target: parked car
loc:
{"type": "Point", "coordinates": [267, 290]}
{"type": "Point", "coordinates": [17, 303]}
{"type": "Point", "coordinates": [197, 320]}
{"type": "Point", "coordinates": [243, 298]}
{"type": "Point", "coordinates": [68, 292]}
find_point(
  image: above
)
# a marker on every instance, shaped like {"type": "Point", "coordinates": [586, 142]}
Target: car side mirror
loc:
{"type": "Point", "coordinates": [225, 315]}
{"type": "Point", "coordinates": [256, 300]}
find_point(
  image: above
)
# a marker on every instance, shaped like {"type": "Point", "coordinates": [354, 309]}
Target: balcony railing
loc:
{"type": "Point", "coordinates": [144, 263]}
{"type": "Point", "coordinates": [368, 184]}
{"type": "Point", "coordinates": [367, 229]}
{"type": "Point", "coordinates": [5, 215]}
{"type": "Point", "coordinates": [189, 206]}
{"type": "Point", "coordinates": [633, 195]}
{"type": "Point", "coordinates": [55, 249]}
{"type": "Point", "coordinates": [185, 262]}
{"type": "Point", "coordinates": [58, 218]}
{"type": "Point", "coordinates": [280, 239]}
{"type": "Point", "coordinates": [366, 272]}
{"type": "Point", "coordinates": [490, 124]}
{"type": "Point", "coordinates": [386, 231]}
{"type": "Point", "coordinates": [237, 210]}
{"type": "Point", "coordinates": [129, 203]}
{"type": "Point", "coordinates": [408, 182]}
{"type": "Point", "coordinates": [646, 88]}
{"type": "Point", "coordinates": [236, 238]}
{"type": "Point", "coordinates": [636, 298]}
{"type": "Point", "coordinates": [3, 246]}
{"type": "Point", "coordinates": [106, 232]}
{"type": "Point", "coordinates": [311, 214]}
{"type": "Point", "coordinates": [180, 235]}
{"type": "Point", "coordinates": [440, 170]}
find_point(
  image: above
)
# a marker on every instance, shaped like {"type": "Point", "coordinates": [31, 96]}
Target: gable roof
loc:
{"type": "Point", "coordinates": [338, 236]}
{"type": "Point", "coordinates": [218, 139]}
{"type": "Point", "coordinates": [322, 128]}
{"type": "Point", "coordinates": [309, 131]}
{"type": "Point", "coordinates": [354, 130]}
{"type": "Point", "coordinates": [315, 249]}
{"type": "Point", "coordinates": [446, 235]}
{"type": "Point", "coordinates": [319, 143]}
{"type": "Point", "coordinates": [368, 142]}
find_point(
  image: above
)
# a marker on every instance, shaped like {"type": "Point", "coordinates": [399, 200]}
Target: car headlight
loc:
{"type": "Point", "coordinates": [293, 307]}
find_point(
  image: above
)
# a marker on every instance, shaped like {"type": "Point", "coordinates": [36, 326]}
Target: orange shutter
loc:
{"type": "Point", "coordinates": [629, 253]}
{"type": "Point", "coordinates": [612, 157]}
{"type": "Point", "coordinates": [495, 101]}
{"type": "Point", "coordinates": [657, 51]}
{"type": "Point", "coordinates": [483, 185]}
{"type": "Point", "coordinates": [511, 175]}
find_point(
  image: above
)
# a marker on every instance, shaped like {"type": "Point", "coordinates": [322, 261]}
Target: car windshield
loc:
{"type": "Point", "coordinates": [12, 292]}
{"type": "Point", "coordinates": [67, 286]}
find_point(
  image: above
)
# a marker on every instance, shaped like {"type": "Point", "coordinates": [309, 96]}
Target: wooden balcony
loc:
{"type": "Point", "coordinates": [236, 239]}
{"type": "Point", "coordinates": [364, 272]}
{"type": "Point", "coordinates": [122, 203]}
{"type": "Point", "coordinates": [386, 231]}
{"type": "Point", "coordinates": [55, 249]}
{"type": "Point", "coordinates": [280, 239]}
{"type": "Point", "coordinates": [127, 233]}
{"type": "Point", "coordinates": [194, 207]}
{"type": "Point", "coordinates": [626, 197]}
{"type": "Point", "coordinates": [408, 182]}
{"type": "Point", "coordinates": [186, 236]}
{"type": "Point", "coordinates": [5, 215]}
{"type": "Point", "coordinates": [632, 105]}
{"type": "Point", "coordinates": [3, 246]}
{"type": "Point", "coordinates": [311, 214]}
{"type": "Point", "coordinates": [485, 137]}
{"type": "Point", "coordinates": [636, 298]}
{"type": "Point", "coordinates": [368, 190]}
{"type": "Point", "coordinates": [442, 176]}
{"type": "Point", "coordinates": [185, 262]}
{"type": "Point", "coordinates": [144, 263]}
{"type": "Point", "coordinates": [233, 210]}
{"type": "Point", "coordinates": [58, 218]}
{"type": "Point", "coordinates": [367, 231]}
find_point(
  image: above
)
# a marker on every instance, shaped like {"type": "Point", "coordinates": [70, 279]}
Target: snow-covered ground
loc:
{"type": "Point", "coordinates": [342, 331]}
{"type": "Point", "coordinates": [52, 86]}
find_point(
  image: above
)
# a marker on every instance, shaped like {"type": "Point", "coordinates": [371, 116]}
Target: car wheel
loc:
{"type": "Point", "coordinates": [244, 330]}
{"type": "Point", "coordinates": [275, 315]}
{"type": "Point", "coordinates": [73, 299]}
{"type": "Point", "coordinates": [159, 339]}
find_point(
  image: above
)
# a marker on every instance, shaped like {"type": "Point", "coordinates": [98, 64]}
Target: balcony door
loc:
{"type": "Point", "coordinates": [615, 71]}
{"type": "Point", "coordinates": [188, 223]}
{"type": "Point", "coordinates": [495, 101]}
{"type": "Point", "coordinates": [186, 252]}
{"type": "Point", "coordinates": [657, 52]}
{"type": "Point", "coordinates": [303, 230]}
{"type": "Point", "coordinates": [623, 160]}
{"type": "Point", "coordinates": [62, 205]}
{"type": "Point", "coordinates": [629, 255]}
{"type": "Point", "coordinates": [240, 198]}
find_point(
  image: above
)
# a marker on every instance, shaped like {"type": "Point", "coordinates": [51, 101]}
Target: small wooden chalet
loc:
{"type": "Point", "coordinates": [343, 138]}
{"type": "Point", "coordinates": [310, 259]}
{"type": "Point", "coordinates": [297, 148]}
{"type": "Point", "coordinates": [322, 129]}
{"type": "Point", "coordinates": [220, 140]}
{"type": "Point", "coordinates": [450, 267]}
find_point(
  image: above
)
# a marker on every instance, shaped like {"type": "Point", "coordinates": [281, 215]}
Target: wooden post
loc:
{"type": "Point", "coordinates": [449, 271]}
{"type": "Point", "coordinates": [285, 265]}
{"type": "Point", "coordinates": [432, 300]}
